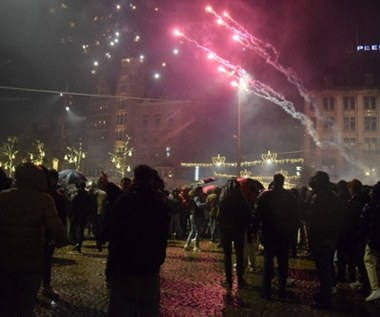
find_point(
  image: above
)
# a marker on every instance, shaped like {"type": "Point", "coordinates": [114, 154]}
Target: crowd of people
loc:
{"type": "Point", "coordinates": [338, 224]}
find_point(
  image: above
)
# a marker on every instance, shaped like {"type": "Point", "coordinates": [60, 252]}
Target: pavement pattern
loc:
{"type": "Point", "coordinates": [191, 286]}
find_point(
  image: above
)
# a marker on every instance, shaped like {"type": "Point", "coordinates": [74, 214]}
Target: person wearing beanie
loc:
{"type": "Point", "coordinates": [26, 213]}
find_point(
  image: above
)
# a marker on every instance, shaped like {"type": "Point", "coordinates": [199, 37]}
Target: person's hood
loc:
{"type": "Point", "coordinates": [30, 176]}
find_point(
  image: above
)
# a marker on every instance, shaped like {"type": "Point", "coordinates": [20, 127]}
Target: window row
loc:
{"type": "Point", "coordinates": [146, 120]}
{"type": "Point", "coordinates": [99, 122]}
{"type": "Point", "coordinates": [349, 103]}
{"type": "Point", "coordinates": [97, 108]}
{"type": "Point", "coordinates": [349, 124]}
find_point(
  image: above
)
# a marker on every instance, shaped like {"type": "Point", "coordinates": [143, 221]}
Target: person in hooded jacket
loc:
{"type": "Point", "coordinates": [233, 218]}
{"type": "Point", "coordinates": [359, 198]}
{"type": "Point", "coordinates": [138, 231]}
{"type": "Point", "coordinates": [26, 213]}
{"type": "Point", "coordinates": [326, 225]}
{"type": "Point", "coordinates": [369, 229]}
{"type": "Point", "coordinates": [276, 215]}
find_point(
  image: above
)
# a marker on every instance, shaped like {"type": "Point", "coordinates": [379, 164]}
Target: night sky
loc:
{"type": "Point", "coordinates": [53, 45]}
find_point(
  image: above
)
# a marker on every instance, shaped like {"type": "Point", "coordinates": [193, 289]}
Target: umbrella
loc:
{"type": "Point", "coordinates": [70, 176]}
{"type": "Point", "coordinates": [208, 188]}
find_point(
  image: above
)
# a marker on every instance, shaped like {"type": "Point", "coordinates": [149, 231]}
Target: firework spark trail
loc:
{"type": "Point", "coordinates": [265, 50]}
{"type": "Point", "coordinates": [259, 88]}
{"type": "Point", "coordinates": [269, 53]}
{"type": "Point", "coordinates": [264, 91]}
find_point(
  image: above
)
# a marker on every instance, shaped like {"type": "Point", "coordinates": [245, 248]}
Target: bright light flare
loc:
{"type": "Point", "coordinates": [234, 84]}
{"type": "Point", "coordinates": [209, 9]}
{"type": "Point", "coordinates": [176, 51]}
{"type": "Point", "coordinates": [221, 69]}
{"type": "Point", "coordinates": [156, 76]}
{"type": "Point", "coordinates": [236, 37]}
{"type": "Point", "coordinates": [211, 56]}
{"type": "Point", "coordinates": [220, 21]}
{"type": "Point", "coordinates": [177, 32]}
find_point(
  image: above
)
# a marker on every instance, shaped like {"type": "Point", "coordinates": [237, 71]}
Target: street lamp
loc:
{"type": "Point", "coordinates": [241, 86]}
{"type": "Point", "coordinates": [238, 135]}
{"type": "Point", "coordinates": [66, 105]}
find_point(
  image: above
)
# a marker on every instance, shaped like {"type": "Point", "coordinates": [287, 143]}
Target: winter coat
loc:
{"type": "Point", "coordinates": [326, 218]}
{"type": "Point", "coordinates": [25, 214]}
{"type": "Point", "coordinates": [234, 213]}
{"type": "Point", "coordinates": [276, 210]}
{"type": "Point", "coordinates": [138, 232]}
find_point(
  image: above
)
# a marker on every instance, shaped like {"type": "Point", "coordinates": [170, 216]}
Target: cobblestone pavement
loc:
{"type": "Point", "coordinates": [191, 287]}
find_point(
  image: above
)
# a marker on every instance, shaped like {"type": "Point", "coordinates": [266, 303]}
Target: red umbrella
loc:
{"type": "Point", "coordinates": [208, 188]}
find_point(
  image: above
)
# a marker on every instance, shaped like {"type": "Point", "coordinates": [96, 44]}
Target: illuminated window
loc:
{"type": "Point", "coordinates": [329, 103]}
{"type": "Point", "coordinates": [348, 103]}
{"type": "Point", "coordinates": [370, 124]}
{"type": "Point", "coordinates": [369, 103]}
{"type": "Point", "coordinates": [349, 123]}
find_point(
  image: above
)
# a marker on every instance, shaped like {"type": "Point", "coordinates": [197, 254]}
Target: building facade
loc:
{"type": "Point", "coordinates": [347, 127]}
{"type": "Point", "coordinates": [126, 129]}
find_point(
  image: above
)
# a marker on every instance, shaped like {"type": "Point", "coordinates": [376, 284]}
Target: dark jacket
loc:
{"type": "Point", "coordinates": [81, 207]}
{"type": "Point", "coordinates": [234, 213]}
{"type": "Point", "coordinates": [353, 211]}
{"type": "Point", "coordinates": [26, 212]}
{"type": "Point", "coordinates": [369, 227]}
{"type": "Point", "coordinates": [276, 212]}
{"type": "Point", "coordinates": [326, 218]}
{"type": "Point", "coordinates": [138, 232]}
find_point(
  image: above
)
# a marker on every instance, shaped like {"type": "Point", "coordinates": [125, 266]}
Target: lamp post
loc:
{"type": "Point", "coordinates": [66, 108]}
{"type": "Point", "coordinates": [238, 135]}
